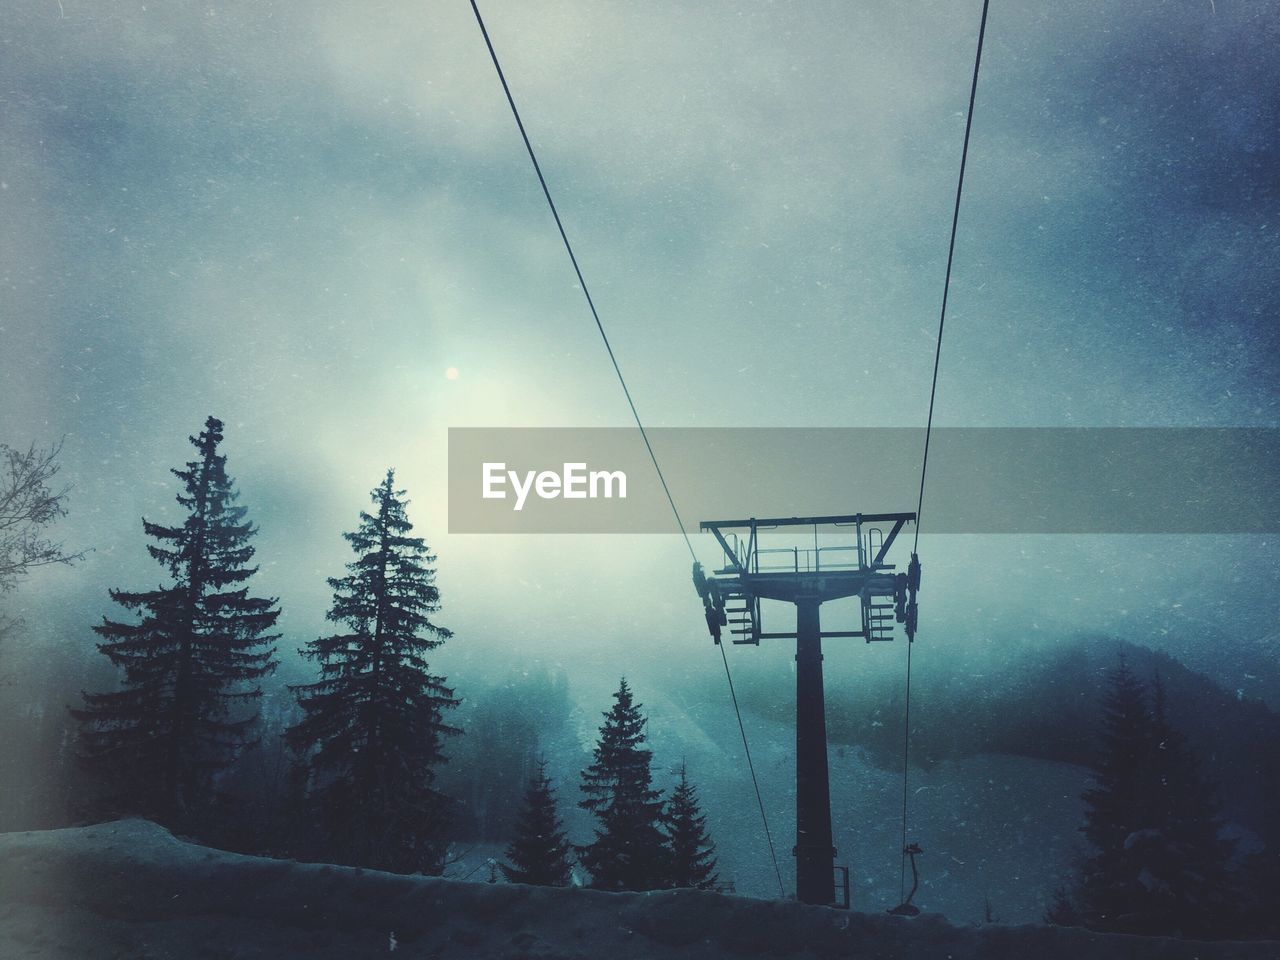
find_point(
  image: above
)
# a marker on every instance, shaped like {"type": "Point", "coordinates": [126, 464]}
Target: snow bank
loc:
{"type": "Point", "coordinates": [132, 890]}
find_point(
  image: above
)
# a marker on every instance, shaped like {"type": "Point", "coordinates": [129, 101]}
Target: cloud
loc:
{"type": "Point", "coordinates": [296, 215]}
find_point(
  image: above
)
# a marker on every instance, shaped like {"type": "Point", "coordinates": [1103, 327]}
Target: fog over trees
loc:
{"type": "Point", "coordinates": [366, 753]}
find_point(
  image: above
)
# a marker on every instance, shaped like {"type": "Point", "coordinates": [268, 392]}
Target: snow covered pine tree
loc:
{"type": "Point", "coordinates": [629, 852]}
{"type": "Point", "coordinates": [373, 724]}
{"type": "Point", "coordinates": [193, 662]}
{"type": "Point", "coordinates": [690, 852]}
{"type": "Point", "coordinates": [539, 854]}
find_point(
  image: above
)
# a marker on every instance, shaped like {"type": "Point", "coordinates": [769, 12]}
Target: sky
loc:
{"type": "Point", "coordinates": [299, 216]}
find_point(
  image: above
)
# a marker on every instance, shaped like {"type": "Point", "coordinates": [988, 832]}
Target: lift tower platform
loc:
{"type": "Point", "coordinates": [808, 576]}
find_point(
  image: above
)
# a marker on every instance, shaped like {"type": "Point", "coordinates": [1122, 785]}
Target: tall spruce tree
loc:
{"type": "Point", "coordinates": [539, 853]}
{"type": "Point", "coordinates": [1118, 808]}
{"type": "Point", "coordinates": [192, 663]}
{"type": "Point", "coordinates": [1188, 862]}
{"type": "Point", "coordinates": [1157, 866]}
{"type": "Point", "coordinates": [691, 856]}
{"type": "Point", "coordinates": [373, 725]}
{"type": "Point", "coordinates": [629, 851]}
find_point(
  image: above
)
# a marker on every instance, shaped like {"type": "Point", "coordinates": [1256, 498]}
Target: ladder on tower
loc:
{"type": "Point", "coordinates": [877, 620]}
{"type": "Point", "coordinates": [743, 613]}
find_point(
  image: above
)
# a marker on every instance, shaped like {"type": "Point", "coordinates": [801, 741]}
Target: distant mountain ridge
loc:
{"type": "Point", "coordinates": [1041, 700]}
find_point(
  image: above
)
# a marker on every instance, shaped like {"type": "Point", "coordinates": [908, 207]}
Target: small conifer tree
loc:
{"type": "Point", "coordinates": [539, 853]}
{"type": "Point", "coordinates": [690, 852]}
{"type": "Point", "coordinates": [629, 851]}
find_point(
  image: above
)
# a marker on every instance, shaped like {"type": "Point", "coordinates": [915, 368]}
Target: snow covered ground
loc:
{"type": "Point", "coordinates": [130, 890]}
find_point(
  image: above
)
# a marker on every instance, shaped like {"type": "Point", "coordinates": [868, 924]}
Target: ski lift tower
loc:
{"type": "Point", "coordinates": [809, 575]}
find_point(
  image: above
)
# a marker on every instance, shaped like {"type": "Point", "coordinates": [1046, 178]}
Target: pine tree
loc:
{"type": "Point", "coordinates": [1062, 910]}
{"type": "Point", "coordinates": [1158, 866]}
{"type": "Point", "coordinates": [1188, 872]}
{"type": "Point", "coordinates": [373, 724]}
{"type": "Point", "coordinates": [1119, 811]}
{"type": "Point", "coordinates": [539, 854]}
{"type": "Point", "coordinates": [629, 851]}
{"type": "Point", "coordinates": [192, 663]}
{"type": "Point", "coordinates": [691, 860]}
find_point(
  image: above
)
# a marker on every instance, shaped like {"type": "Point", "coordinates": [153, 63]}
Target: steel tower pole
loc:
{"type": "Point", "coordinates": [815, 854]}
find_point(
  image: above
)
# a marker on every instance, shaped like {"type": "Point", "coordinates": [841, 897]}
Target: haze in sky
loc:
{"type": "Point", "coordinates": [316, 221]}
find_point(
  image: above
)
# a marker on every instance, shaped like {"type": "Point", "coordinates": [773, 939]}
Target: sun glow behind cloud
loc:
{"type": "Point", "coordinates": [286, 214]}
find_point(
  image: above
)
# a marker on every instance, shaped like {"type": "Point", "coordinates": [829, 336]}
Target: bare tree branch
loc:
{"type": "Point", "coordinates": [29, 503]}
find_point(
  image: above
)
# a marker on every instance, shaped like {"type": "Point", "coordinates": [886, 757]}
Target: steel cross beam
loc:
{"type": "Point", "coordinates": [888, 541]}
{"type": "Point", "coordinates": [843, 520]}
